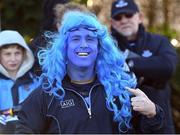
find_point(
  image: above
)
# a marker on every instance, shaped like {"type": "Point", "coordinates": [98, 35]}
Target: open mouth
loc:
{"type": "Point", "coordinates": [82, 53]}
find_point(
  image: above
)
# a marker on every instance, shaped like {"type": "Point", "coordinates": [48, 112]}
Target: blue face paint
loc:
{"type": "Point", "coordinates": [82, 48]}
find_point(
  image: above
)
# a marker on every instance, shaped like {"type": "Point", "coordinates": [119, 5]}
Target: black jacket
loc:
{"type": "Point", "coordinates": [43, 113]}
{"type": "Point", "coordinates": [154, 66]}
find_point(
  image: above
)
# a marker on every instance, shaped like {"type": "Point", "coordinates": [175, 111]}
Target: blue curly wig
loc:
{"type": "Point", "coordinates": [109, 65]}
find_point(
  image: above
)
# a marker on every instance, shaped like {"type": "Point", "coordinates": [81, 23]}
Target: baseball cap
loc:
{"type": "Point", "coordinates": [123, 6]}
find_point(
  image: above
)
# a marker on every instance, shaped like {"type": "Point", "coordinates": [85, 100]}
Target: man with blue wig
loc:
{"type": "Point", "coordinates": [85, 86]}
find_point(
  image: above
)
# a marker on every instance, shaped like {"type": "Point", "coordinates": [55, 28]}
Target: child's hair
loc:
{"type": "Point", "coordinates": [7, 46]}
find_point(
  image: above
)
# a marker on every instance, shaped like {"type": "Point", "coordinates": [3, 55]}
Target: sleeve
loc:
{"type": "Point", "coordinates": [155, 124]}
{"type": "Point", "coordinates": [32, 115]}
{"type": "Point", "coordinates": [160, 66]}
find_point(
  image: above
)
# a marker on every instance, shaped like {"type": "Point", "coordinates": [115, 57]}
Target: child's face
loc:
{"type": "Point", "coordinates": [11, 58]}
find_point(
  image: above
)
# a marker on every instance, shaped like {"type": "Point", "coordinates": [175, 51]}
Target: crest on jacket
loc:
{"type": "Point", "coordinates": [146, 53]}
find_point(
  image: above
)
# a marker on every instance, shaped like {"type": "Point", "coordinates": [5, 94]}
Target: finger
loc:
{"type": "Point", "coordinates": [136, 92]}
{"type": "Point", "coordinates": [137, 108]}
{"type": "Point", "coordinates": [138, 99]}
{"type": "Point", "coordinates": [138, 103]}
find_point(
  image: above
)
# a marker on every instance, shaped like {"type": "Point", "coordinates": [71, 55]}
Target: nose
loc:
{"type": "Point", "coordinates": [83, 44]}
{"type": "Point", "coordinates": [13, 57]}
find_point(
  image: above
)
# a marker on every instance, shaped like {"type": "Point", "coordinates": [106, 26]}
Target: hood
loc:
{"type": "Point", "coordinates": [8, 37]}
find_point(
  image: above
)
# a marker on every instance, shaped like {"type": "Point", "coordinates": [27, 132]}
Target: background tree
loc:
{"type": "Point", "coordinates": [21, 15]}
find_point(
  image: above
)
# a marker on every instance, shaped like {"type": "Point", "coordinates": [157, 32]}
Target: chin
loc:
{"type": "Point", "coordinates": [126, 34]}
{"type": "Point", "coordinates": [83, 65]}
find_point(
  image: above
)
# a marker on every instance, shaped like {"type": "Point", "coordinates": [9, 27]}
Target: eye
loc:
{"type": "Point", "coordinates": [17, 53]}
{"type": "Point", "coordinates": [7, 54]}
{"type": "Point", "coordinates": [91, 39]}
{"type": "Point", "coordinates": [75, 39]}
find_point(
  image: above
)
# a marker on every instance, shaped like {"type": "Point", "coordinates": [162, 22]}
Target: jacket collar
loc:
{"type": "Point", "coordinates": [26, 78]}
{"type": "Point", "coordinates": [67, 82]}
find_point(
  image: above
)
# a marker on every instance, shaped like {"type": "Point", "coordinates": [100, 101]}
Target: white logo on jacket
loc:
{"type": "Point", "coordinates": [67, 103]}
{"type": "Point", "coordinates": [146, 53]}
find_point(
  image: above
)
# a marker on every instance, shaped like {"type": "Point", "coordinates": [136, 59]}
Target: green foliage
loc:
{"type": "Point", "coordinates": [165, 30]}
{"type": "Point", "coordinates": [21, 15]}
{"type": "Point", "coordinates": [81, 1]}
{"type": "Point", "coordinates": [176, 78]}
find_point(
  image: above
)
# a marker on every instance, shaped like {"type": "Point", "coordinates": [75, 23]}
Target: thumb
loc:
{"type": "Point", "coordinates": [136, 92]}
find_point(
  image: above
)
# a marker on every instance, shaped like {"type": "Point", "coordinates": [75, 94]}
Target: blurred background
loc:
{"type": "Point", "coordinates": [161, 16]}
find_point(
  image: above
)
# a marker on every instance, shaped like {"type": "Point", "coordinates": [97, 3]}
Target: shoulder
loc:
{"type": "Point", "coordinates": [156, 37]}
{"type": "Point", "coordinates": [156, 41]}
{"type": "Point", "coordinates": [38, 95]}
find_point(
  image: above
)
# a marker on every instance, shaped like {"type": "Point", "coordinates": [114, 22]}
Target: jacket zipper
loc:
{"type": "Point", "coordinates": [88, 107]}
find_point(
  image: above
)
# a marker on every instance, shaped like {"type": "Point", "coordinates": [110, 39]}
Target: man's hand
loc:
{"type": "Point", "coordinates": [141, 103]}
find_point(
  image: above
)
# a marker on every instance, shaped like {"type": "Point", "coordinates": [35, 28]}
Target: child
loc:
{"type": "Point", "coordinates": [16, 80]}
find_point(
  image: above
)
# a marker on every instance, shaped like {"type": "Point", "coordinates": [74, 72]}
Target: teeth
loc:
{"type": "Point", "coordinates": [82, 54]}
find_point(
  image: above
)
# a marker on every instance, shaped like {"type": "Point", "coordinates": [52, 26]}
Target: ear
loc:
{"type": "Point", "coordinates": [111, 20]}
{"type": "Point", "coordinates": [141, 17]}
{"type": "Point", "coordinates": [57, 25]}
{"type": "Point", "coordinates": [113, 23]}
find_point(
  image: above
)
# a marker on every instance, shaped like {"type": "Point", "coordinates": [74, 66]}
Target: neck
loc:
{"type": "Point", "coordinates": [12, 75]}
{"type": "Point", "coordinates": [81, 75]}
{"type": "Point", "coordinates": [83, 81]}
{"type": "Point", "coordinates": [132, 37]}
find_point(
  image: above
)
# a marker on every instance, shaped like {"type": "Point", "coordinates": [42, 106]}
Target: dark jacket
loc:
{"type": "Point", "coordinates": [154, 66]}
{"type": "Point", "coordinates": [44, 113]}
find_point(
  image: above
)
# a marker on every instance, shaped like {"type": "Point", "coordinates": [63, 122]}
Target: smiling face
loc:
{"type": "Point", "coordinates": [82, 48]}
{"type": "Point", "coordinates": [11, 58]}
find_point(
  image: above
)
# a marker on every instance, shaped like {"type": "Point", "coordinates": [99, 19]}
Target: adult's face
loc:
{"type": "Point", "coordinates": [127, 24]}
{"type": "Point", "coordinates": [82, 48]}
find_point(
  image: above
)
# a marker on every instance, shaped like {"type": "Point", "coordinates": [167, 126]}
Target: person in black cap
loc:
{"type": "Point", "coordinates": [150, 56]}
